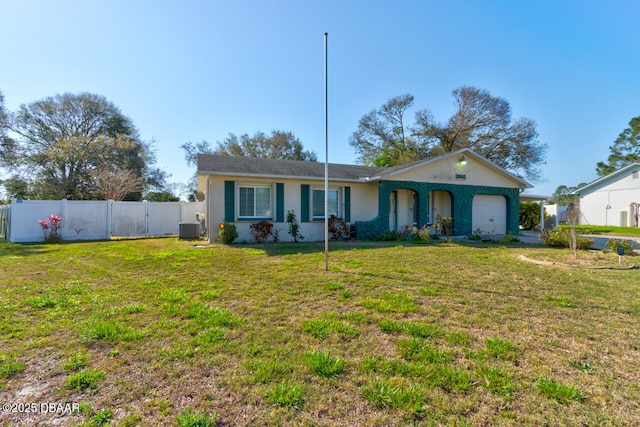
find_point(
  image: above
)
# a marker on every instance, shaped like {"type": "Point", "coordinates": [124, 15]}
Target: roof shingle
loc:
{"type": "Point", "coordinates": [260, 167]}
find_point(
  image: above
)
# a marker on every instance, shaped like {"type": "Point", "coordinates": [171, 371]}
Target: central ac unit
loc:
{"type": "Point", "coordinates": [189, 230]}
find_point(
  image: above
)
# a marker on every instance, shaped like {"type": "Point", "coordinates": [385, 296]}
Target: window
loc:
{"type": "Point", "coordinates": [318, 203]}
{"type": "Point", "coordinates": [254, 202]}
{"type": "Point", "coordinates": [634, 175]}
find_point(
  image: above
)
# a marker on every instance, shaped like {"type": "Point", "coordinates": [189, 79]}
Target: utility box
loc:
{"type": "Point", "coordinates": [189, 230]}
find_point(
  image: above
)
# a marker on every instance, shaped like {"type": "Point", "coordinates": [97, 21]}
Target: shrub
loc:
{"type": "Point", "coordinates": [530, 215]}
{"type": "Point", "coordinates": [626, 244]}
{"type": "Point", "coordinates": [261, 231]}
{"type": "Point", "coordinates": [422, 234]}
{"type": "Point", "coordinates": [415, 234]}
{"type": "Point", "coordinates": [387, 236]}
{"type": "Point", "coordinates": [561, 238]}
{"type": "Point", "coordinates": [338, 228]}
{"type": "Point", "coordinates": [51, 228]}
{"type": "Point", "coordinates": [294, 227]}
{"type": "Point", "coordinates": [445, 224]}
{"type": "Point", "coordinates": [227, 233]}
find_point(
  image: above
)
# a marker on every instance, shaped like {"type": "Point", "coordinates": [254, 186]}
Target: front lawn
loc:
{"type": "Point", "coordinates": [163, 332]}
{"type": "Point", "coordinates": [607, 230]}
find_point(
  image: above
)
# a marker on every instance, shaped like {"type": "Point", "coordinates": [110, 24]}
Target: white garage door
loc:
{"type": "Point", "coordinates": [489, 214]}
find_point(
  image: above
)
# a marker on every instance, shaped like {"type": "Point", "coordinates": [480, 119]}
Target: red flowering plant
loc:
{"type": "Point", "coordinates": [261, 231]}
{"type": "Point", "coordinates": [338, 228]}
{"type": "Point", "coordinates": [51, 228]}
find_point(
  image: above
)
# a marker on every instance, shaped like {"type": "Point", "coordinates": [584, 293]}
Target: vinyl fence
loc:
{"type": "Point", "coordinates": [95, 220]}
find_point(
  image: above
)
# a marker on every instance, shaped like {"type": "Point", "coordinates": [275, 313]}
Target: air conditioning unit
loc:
{"type": "Point", "coordinates": [189, 230]}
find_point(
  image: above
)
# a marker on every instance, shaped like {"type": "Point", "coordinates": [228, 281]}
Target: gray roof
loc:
{"type": "Point", "coordinates": [259, 167]}
{"type": "Point", "coordinates": [216, 164]}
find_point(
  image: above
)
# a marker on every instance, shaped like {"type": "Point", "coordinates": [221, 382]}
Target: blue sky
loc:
{"type": "Point", "coordinates": [199, 70]}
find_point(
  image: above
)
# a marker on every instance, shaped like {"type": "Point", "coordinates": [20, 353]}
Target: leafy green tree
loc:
{"type": "Point", "coordinates": [625, 149]}
{"type": "Point", "coordinates": [161, 196]}
{"type": "Point", "coordinates": [562, 196]}
{"type": "Point", "coordinates": [480, 122]}
{"type": "Point", "coordinates": [279, 145]}
{"type": "Point", "coordinates": [62, 139]}
{"type": "Point", "coordinates": [17, 188]}
{"type": "Point", "coordinates": [4, 120]}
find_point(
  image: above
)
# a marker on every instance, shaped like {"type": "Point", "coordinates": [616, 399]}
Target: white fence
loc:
{"type": "Point", "coordinates": [95, 220]}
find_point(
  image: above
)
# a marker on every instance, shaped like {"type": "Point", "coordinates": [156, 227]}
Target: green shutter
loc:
{"type": "Point", "coordinates": [347, 204]}
{"type": "Point", "coordinates": [304, 199]}
{"type": "Point", "coordinates": [229, 201]}
{"type": "Point", "coordinates": [279, 202]}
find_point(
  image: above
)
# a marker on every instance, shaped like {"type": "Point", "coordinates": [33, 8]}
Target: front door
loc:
{"type": "Point", "coordinates": [393, 211]}
{"type": "Point", "coordinates": [415, 208]}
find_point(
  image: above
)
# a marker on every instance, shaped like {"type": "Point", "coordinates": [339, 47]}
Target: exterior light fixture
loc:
{"type": "Point", "coordinates": [463, 160]}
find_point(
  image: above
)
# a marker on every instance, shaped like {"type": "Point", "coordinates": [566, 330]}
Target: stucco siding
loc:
{"type": "Point", "coordinates": [363, 204]}
{"type": "Point", "coordinates": [451, 171]}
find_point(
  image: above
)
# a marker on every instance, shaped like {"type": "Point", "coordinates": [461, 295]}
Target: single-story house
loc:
{"type": "Point", "coordinates": [613, 199]}
{"type": "Point", "coordinates": [462, 186]}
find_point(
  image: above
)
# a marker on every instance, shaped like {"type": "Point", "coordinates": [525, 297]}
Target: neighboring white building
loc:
{"type": "Point", "coordinates": [613, 199]}
{"type": "Point", "coordinates": [556, 214]}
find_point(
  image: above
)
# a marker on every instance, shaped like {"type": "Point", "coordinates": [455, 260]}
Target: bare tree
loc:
{"type": "Point", "coordinates": [113, 183]}
{"type": "Point", "coordinates": [481, 122]}
{"type": "Point", "coordinates": [382, 138]}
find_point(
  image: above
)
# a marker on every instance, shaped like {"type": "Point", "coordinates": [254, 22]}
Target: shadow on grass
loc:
{"type": "Point", "coordinates": [21, 249]}
{"type": "Point", "coordinates": [286, 248]}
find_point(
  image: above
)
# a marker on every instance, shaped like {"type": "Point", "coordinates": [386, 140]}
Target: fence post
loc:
{"type": "Point", "coordinates": [146, 218]}
{"type": "Point", "coordinates": [109, 225]}
{"type": "Point", "coordinates": [63, 215]}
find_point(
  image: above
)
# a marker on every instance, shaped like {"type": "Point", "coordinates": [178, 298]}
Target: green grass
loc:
{"type": "Point", "coordinates": [392, 303]}
{"type": "Point", "coordinates": [560, 392]}
{"type": "Point", "coordinates": [83, 380]}
{"type": "Point", "coordinates": [324, 363]}
{"type": "Point", "coordinates": [160, 332]}
{"type": "Point", "coordinates": [607, 229]}
{"type": "Point", "coordinates": [328, 324]}
{"type": "Point", "coordinates": [393, 395]}
{"type": "Point", "coordinates": [496, 380]}
{"type": "Point", "coordinates": [189, 418]}
{"type": "Point", "coordinates": [501, 349]}
{"type": "Point", "coordinates": [287, 395]}
{"type": "Point", "coordinates": [10, 366]}
{"type": "Point", "coordinates": [75, 362]}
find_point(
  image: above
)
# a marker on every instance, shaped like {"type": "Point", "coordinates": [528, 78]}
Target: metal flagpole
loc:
{"type": "Point", "coordinates": [326, 161]}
